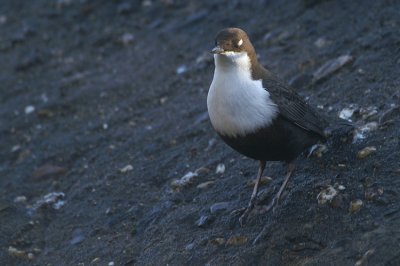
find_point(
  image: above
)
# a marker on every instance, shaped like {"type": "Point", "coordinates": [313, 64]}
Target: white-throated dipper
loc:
{"type": "Point", "coordinates": [256, 113]}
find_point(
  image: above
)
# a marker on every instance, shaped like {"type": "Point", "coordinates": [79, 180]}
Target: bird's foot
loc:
{"type": "Point", "coordinates": [238, 211]}
{"type": "Point", "coordinates": [252, 201]}
{"type": "Point", "coordinates": [272, 205]}
{"type": "Point", "coordinates": [243, 212]}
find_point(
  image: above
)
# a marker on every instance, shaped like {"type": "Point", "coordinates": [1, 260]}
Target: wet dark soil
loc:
{"type": "Point", "coordinates": [103, 106]}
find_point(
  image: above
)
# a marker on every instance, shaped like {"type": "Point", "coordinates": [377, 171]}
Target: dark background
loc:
{"type": "Point", "coordinates": [102, 77]}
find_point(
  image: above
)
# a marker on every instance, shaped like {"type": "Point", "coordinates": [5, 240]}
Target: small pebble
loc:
{"type": "Point", "coordinates": [111, 263]}
{"type": "Point", "coordinates": [361, 132]}
{"type": "Point", "coordinates": [12, 251]}
{"type": "Point", "coordinates": [77, 237]}
{"type": "Point", "coordinates": [355, 206]}
{"type": "Point", "coordinates": [204, 220]}
{"type": "Point", "coordinates": [370, 194]}
{"type": "Point", "coordinates": [363, 260]}
{"type": "Point", "coordinates": [44, 113]}
{"type": "Point", "coordinates": [181, 69]}
{"type": "Point", "coordinates": [15, 148]}
{"type": "Point", "coordinates": [184, 180]}
{"type": "Point", "coordinates": [44, 98]}
{"type": "Point", "coordinates": [220, 168]}
{"type": "Point", "coordinates": [347, 113]}
{"type": "Point", "coordinates": [53, 199]}
{"type": "Point", "coordinates": [205, 185]}
{"type": "Point", "coordinates": [218, 241]}
{"type": "Point", "coordinates": [330, 67]}
{"type": "Point", "coordinates": [95, 260]}
{"type": "Point", "coordinates": [327, 195]}
{"type": "Point", "coordinates": [29, 109]}
{"type": "Point", "coordinates": [20, 199]}
{"type": "Point", "coordinates": [127, 39]}
{"type": "Point", "coordinates": [321, 42]}
{"type": "Point", "coordinates": [221, 206]}
{"type": "Point", "coordinates": [366, 152]}
{"type": "Point", "coordinates": [126, 168]}
{"type": "Point", "coordinates": [163, 99]}
{"type": "Point", "coordinates": [189, 246]}
{"type": "Point", "coordinates": [237, 240]}
{"type": "Point", "coordinates": [263, 181]}
{"type": "Point", "coordinates": [211, 144]}
{"type": "Point", "coordinates": [367, 112]}
{"type": "Point", "coordinates": [202, 171]}
{"type": "Point", "coordinates": [37, 250]}
{"type": "Point", "coordinates": [318, 150]}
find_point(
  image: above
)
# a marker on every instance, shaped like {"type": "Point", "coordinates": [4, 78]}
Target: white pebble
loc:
{"type": "Point", "coordinates": [111, 263]}
{"type": "Point", "coordinates": [20, 199]}
{"type": "Point", "coordinates": [346, 113]}
{"type": "Point", "coordinates": [29, 109]}
{"type": "Point", "coordinates": [326, 195]}
{"type": "Point", "coordinates": [361, 132]}
{"type": "Point", "coordinates": [126, 168]}
{"type": "Point", "coordinates": [184, 180]}
{"type": "Point", "coordinates": [127, 38]}
{"type": "Point", "coordinates": [181, 69]}
{"type": "Point", "coordinates": [220, 168]}
{"type": "Point", "coordinates": [15, 148]}
{"type": "Point", "coordinates": [321, 42]}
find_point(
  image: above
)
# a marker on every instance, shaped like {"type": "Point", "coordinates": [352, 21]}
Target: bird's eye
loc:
{"type": "Point", "coordinates": [237, 44]}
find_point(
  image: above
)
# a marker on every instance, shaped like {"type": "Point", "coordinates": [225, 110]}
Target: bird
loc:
{"type": "Point", "coordinates": [256, 113]}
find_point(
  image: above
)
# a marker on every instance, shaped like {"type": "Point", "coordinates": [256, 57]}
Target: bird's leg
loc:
{"type": "Point", "coordinates": [250, 206]}
{"type": "Point", "coordinates": [276, 198]}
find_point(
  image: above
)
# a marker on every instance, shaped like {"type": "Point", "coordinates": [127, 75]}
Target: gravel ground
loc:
{"type": "Point", "coordinates": [103, 109]}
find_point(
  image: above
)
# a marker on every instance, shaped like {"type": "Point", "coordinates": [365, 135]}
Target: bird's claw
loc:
{"type": "Point", "coordinates": [238, 211]}
{"type": "Point", "coordinates": [244, 213]}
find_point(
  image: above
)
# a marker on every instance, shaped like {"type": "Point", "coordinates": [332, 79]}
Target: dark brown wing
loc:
{"type": "Point", "coordinates": [293, 107]}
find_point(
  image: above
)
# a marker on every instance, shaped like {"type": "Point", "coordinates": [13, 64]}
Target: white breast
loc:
{"type": "Point", "coordinates": [236, 103]}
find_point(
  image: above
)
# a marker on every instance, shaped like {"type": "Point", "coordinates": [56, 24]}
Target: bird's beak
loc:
{"type": "Point", "coordinates": [217, 50]}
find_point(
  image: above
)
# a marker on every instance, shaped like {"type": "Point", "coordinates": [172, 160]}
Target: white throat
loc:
{"type": "Point", "coordinates": [237, 104]}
